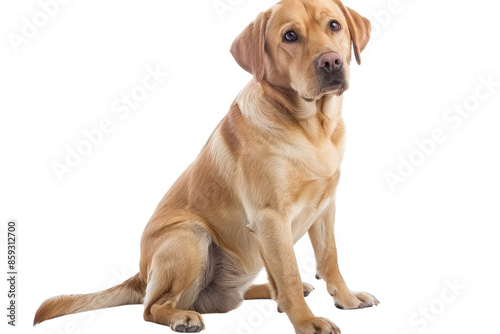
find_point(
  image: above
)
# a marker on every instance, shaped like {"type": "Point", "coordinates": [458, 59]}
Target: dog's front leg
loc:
{"type": "Point", "coordinates": [322, 238]}
{"type": "Point", "coordinates": [274, 235]}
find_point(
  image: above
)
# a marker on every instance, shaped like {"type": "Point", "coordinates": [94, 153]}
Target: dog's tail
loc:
{"type": "Point", "coordinates": [129, 292]}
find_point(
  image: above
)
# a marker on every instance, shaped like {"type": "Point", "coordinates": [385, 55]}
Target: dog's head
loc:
{"type": "Point", "coordinates": [304, 45]}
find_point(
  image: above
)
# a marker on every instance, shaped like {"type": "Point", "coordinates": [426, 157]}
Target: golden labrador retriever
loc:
{"type": "Point", "coordinates": [266, 176]}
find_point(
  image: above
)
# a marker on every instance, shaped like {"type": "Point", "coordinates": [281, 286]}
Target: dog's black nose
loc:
{"type": "Point", "coordinates": [330, 62]}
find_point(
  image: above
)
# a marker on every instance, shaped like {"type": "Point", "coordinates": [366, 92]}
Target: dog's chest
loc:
{"type": "Point", "coordinates": [313, 182]}
{"type": "Point", "coordinates": [311, 168]}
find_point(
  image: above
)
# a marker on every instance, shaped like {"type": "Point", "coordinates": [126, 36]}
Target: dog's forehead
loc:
{"type": "Point", "coordinates": [306, 11]}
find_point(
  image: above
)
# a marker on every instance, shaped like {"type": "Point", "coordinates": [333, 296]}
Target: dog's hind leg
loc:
{"type": "Point", "coordinates": [263, 291]}
{"type": "Point", "coordinates": [175, 278]}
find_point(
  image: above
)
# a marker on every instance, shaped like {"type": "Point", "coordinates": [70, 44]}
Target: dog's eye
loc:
{"type": "Point", "coordinates": [335, 26]}
{"type": "Point", "coordinates": [290, 36]}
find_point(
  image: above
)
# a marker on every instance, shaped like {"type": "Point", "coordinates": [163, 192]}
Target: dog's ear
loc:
{"type": "Point", "coordinates": [359, 27]}
{"type": "Point", "coordinates": [248, 47]}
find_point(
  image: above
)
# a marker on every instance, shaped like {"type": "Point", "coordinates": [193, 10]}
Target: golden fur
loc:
{"type": "Point", "coordinates": [266, 176]}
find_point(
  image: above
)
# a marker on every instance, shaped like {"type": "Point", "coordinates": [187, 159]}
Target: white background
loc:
{"type": "Point", "coordinates": [82, 234]}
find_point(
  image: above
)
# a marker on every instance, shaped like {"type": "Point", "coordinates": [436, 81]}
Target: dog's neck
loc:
{"type": "Point", "coordinates": [273, 109]}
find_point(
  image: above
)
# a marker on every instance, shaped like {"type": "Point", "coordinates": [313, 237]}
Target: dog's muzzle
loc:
{"type": "Point", "coordinates": [331, 74]}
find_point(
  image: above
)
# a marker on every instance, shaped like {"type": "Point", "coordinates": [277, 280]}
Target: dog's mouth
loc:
{"type": "Point", "coordinates": [336, 83]}
{"type": "Point", "coordinates": [336, 87]}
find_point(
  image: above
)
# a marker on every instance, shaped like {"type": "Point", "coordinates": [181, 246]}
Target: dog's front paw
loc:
{"type": "Point", "coordinates": [355, 300]}
{"type": "Point", "coordinates": [317, 326]}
